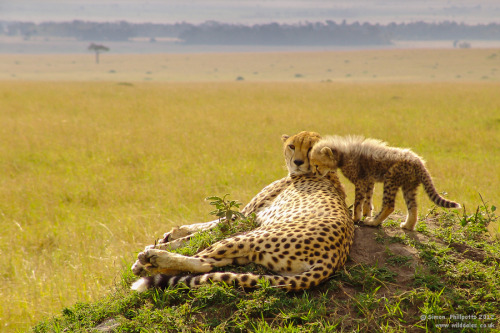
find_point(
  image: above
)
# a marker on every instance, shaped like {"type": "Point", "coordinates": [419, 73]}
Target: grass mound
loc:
{"type": "Point", "coordinates": [445, 276]}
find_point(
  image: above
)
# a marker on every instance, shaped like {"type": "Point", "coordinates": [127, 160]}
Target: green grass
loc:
{"type": "Point", "coordinates": [93, 172]}
{"type": "Point", "coordinates": [448, 289]}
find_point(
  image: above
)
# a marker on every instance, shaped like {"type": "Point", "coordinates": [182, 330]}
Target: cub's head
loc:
{"type": "Point", "coordinates": [296, 149]}
{"type": "Point", "coordinates": [324, 159]}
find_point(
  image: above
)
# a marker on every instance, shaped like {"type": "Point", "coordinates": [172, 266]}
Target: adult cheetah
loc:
{"type": "Point", "coordinates": [304, 234]}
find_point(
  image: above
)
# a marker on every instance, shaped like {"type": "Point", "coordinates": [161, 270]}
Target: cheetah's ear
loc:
{"type": "Point", "coordinates": [329, 152]}
{"type": "Point", "coordinates": [284, 137]}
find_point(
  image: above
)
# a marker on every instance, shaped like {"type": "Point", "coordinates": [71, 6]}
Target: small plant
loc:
{"type": "Point", "coordinates": [475, 225]}
{"type": "Point", "coordinates": [367, 302]}
{"type": "Point", "coordinates": [232, 222]}
{"type": "Point", "coordinates": [429, 281]}
{"type": "Point", "coordinates": [225, 208]}
{"type": "Point", "coordinates": [422, 227]}
{"type": "Point", "coordinates": [367, 277]}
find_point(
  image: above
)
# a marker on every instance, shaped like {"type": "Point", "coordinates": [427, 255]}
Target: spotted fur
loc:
{"type": "Point", "coordinates": [304, 235]}
{"type": "Point", "coordinates": [366, 161]}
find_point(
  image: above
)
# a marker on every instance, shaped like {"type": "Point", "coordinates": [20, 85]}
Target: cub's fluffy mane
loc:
{"type": "Point", "coordinates": [354, 146]}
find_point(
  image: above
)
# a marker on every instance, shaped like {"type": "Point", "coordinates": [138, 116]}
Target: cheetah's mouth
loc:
{"type": "Point", "coordinates": [300, 171]}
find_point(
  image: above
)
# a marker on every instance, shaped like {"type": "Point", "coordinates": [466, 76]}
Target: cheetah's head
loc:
{"type": "Point", "coordinates": [323, 159]}
{"type": "Point", "coordinates": [296, 149]}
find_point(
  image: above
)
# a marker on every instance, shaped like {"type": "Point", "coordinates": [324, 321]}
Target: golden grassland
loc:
{"type": "Point", "coordinates": [91, 172]}
{"type": "Point", "coordinates": [375, 65]}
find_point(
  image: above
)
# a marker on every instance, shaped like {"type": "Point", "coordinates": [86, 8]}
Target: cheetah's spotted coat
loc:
{"type": "Point", "coordinates": [304, 234]}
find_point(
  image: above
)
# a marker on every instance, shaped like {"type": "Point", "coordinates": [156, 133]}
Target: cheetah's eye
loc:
{"type": "Point", "coordinates": [292, 147]}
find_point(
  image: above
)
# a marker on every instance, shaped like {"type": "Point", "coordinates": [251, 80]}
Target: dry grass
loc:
{"type": "Point", "coordinates": [92, 172]}
{"type": "Point", "coordinates": [377, 65]}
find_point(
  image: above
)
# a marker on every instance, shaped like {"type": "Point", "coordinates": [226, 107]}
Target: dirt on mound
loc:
{"type": "Point", "coordinates": [369, 248]}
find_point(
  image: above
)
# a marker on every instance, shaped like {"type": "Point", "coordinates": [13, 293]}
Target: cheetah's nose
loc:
{"type": "Point", "coordinates": [298, 162]}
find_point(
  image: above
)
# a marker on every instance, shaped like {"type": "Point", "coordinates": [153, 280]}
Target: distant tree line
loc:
{"type": "Point", "coordinates": [328, 33]}
{"type": "Point", "coordinates": [211, 32]}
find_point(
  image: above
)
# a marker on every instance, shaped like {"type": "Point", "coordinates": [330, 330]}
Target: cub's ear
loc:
{"type": "Point", "coordinates": [284, 137]}
{"type": "Point", "coordinates": [328, 152]}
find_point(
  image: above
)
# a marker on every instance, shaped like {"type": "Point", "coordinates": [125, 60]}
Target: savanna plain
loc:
{"type": "Point", "coordinates": [99, 160]}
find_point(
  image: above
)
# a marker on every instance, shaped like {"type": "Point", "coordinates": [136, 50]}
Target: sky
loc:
{"type": "Point", "coordinates": [252, 11]}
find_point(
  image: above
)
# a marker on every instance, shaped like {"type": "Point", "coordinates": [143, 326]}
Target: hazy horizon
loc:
{"type": "Point", "coordinates": [251, 12]}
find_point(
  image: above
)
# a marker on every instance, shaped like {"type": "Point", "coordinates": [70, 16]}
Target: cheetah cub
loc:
{"type": "Point", "coordinates": [366, 161]}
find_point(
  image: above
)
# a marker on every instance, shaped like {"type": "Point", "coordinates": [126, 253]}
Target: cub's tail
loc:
{"type": "Point", "coordinates": [431, 191]}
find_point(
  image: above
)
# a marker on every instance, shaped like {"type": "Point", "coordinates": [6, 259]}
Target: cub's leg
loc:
{"type": "Point", "coordinates": [359, 199]}
{"type": "Point", "coordinates": [368, 204]}
{"type": "Point", "coordinates": [390, 190]}
{"type": "Point", "coordinates": [410, 193]}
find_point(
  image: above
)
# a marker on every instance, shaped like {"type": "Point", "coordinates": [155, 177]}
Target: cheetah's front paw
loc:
{"type": "Point", "coordinates": [139, 269]}
{"type": "Point", "coordinates": [175, 233]}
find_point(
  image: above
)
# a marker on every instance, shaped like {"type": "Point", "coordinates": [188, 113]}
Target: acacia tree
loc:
{"type": "Point", "coordinates": [97, 48]}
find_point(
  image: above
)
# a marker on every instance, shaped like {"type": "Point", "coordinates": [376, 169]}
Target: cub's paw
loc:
{"type": "Point", "coordinates": [371, 221]}
{"type": "Point", "coordinates": [407, 226]}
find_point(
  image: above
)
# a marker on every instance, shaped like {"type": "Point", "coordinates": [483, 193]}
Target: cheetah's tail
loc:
{"type": "Point", "coordinates": [245, 280]}
{"type": "Point", "coordinates": [431, 191]}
